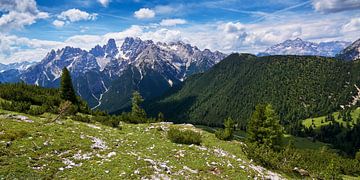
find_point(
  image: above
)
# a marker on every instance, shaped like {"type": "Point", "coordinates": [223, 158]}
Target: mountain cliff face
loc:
{"type": "Point", "coordinates": [351, 53]}
{"type": "Point", "coordinates": [300, 47]}
{"type": "Point", "coordinates": [106, 75]}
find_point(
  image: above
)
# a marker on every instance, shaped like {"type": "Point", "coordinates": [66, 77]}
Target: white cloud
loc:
{"type": "Point", "coordinates": [352, 25]}
{"type": "Point", "coordinates": [231, 27]}
{"type": "Point", "coordinates": [104, 3]}
{"type": "Point", "coordinates": [26, 55]}
{"type": "Point", "coordinates": [84, 41]}
{"type": "Point", "coordinates": [223, 36]}
{"type": "Point", "coordinates": [329, 6]}
{"type": "Point", "coordinates": [133, 31]}
{"type": "Point", "coordinates": [19, 13]}
{"type": "Point", "coordinates": [161, 9]}
{"type": "Point", "coordinates": [14, 48]}
{"type": "Point", "coordinates": [58, 23]}
{"type": "Point", "coordinates": [74, 15]}
{"type": "Point", "coordinates": [172, 22]}
{"type": "Point", "coordinates": [163, 35]}
{"type": "Point", "coordinates": [144, 13]}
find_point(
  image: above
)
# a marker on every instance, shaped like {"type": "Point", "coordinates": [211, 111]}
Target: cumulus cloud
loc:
{"type": "Point", "coordinates": [73, 15]}
{"type": "Point", "coordinates": [14, 48]}
{"type": "Point", "coordinates": [172, 22]}
{"type": "Point", "coordinates": [232, 27]}
{"type": "Point", "coordinates": [352, 25]}
{"type": "Point", "coordinates": [58, 23]}
{"type": "Point", "coordinates": [225, 36]}
{"type": "Point", "coordinates": [19, 13]}
{"type": "Point", "coordinates": [104, 3]}
{"type": "Point", "coordinates": [329, 6]}
{"type": "Point", "coordinates": [84, 41]}
{"type": "Point", "coordinates": [144, 13]}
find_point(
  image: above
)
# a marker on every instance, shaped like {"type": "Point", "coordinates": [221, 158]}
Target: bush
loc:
{"type": "Point", "coordinates": [112, 121]}
{"type": "Point", "coordinates": [129, 118]}
{"type": "Point", "coordinates": [357, 155]}
{"type": "Point", "coordinates": [225, 135]}
{"type": "Point", "coordinates": [184, 136]}
{"type": "Point", "coordinates": [67, 108]}
{"type": "Point", "coordinates": [37, 110]}
{"type": "Point", "coordinates": [320, 164]}
{"type": "Point", "coordinates": [81, 118]}
{"type": "Point", "coordinates": [12, 135]}
{"type": "Point", "coordinates": [228, 133]}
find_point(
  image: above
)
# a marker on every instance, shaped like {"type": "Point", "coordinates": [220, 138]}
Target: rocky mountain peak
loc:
{"type": "Point", "coordinates": [110, 48]}
{"type": "Point", "coordinates": [351, 53]}
{"type": "Point", "coordinates": [97, 51]}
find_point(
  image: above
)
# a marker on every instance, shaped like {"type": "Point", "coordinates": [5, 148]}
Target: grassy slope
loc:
{"type": "Point", "coordinates": [317, 121]}
{"type": "Point", "coordinates": [63, 150]}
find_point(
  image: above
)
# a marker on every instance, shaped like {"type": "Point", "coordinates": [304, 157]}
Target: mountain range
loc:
{"type": "Point", "coordinates": [351, 53]}
{"type": "Point", "coordinates": [106, 75]}
{"type": "Point", "coordinates": [17, 65]}
{"type": "Point", "coordinates": [301, 47]}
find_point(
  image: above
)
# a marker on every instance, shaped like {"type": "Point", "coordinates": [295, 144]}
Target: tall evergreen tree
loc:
{"type": "Point", "coordinates": [136, 110]}
{"type": "Point", "coordinates": [66, 87]}
{"type": "Point", "coordinates": [264, 127]}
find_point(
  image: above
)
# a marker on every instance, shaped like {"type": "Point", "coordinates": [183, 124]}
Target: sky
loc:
{"type": "Point", "coordinates": [31, 28]}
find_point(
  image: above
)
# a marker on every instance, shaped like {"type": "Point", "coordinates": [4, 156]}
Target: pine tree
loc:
{"type": "Point", "coordinates": [66, 87]}
{"type": "Point", "coordinates": [228, 132]}
{"type": "Point", "coordinates": [264, 127]}
{"type": "Point", "coordinates": [136, 111]}
{"type": "Point", "coordinates": [160, 117]}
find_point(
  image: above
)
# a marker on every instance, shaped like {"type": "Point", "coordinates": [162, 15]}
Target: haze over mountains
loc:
{"type": "Point", "coordinates": [17, 65]}
{"type": "Point", "coordinates": [301, 47]}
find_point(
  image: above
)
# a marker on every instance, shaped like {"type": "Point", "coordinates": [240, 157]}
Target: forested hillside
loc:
{"type": "Point", "coordinates": [298, 87]}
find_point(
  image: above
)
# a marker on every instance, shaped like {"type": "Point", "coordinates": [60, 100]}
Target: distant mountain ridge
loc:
{"type": "Point", "coordinates": [106, 75]}
{"type": "Point", "coordinates": [351, 53]}
{"type": "Point", "coordinates": [17, 65]}
{"type": "Point", "coordinates": [301, 47]}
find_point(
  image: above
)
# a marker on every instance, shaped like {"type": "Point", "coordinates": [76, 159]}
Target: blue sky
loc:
{"type": "Point", "coordinates": [30, 28]}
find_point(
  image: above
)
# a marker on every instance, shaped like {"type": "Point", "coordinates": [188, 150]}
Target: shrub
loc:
{"type": "Point", "coordinates": [225, 135]}
{"type": "Point", "coordinates": [129, 118]}
{"type": "Point", "coordinates": [184, 136]}
{"type": "Point", "coordinates": [112, 121]}
{"type": "Point", "coordinates": [228, 133]}
{"type": "Point", "coordinates": [357, 155]}
{"type": "Point", "coordinates": [81, 118]}
{"type": "Point", "coordinates": [37, 110]}
{"type": "Point", "coordinates": [12, 135]}
{"type": "Point", "coordinates": [67, 108]}
{"type": "Point", "coordinates": [320, 164]}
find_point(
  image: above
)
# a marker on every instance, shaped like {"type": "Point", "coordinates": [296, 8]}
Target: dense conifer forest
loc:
{"type": "Point", "coordinates": [297, 86]}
